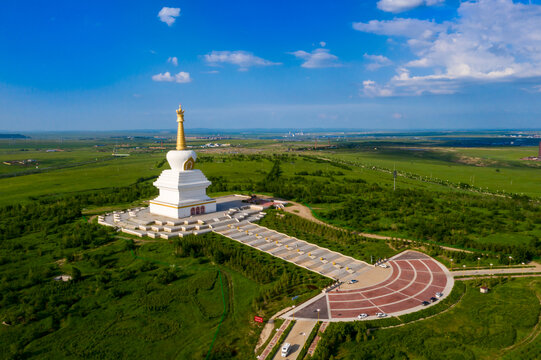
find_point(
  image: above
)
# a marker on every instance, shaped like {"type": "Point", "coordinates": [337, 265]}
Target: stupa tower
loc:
{"type": "Point", "coordinates": [183, 189]}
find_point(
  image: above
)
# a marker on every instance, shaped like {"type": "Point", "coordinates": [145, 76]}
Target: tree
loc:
{"type": "Point", "coordinates": [275, 172]}
{"type": "Point", "coordinates": [75, 273]}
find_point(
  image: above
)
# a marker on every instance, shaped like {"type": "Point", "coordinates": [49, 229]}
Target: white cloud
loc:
{"type": "Point", "coordinates": [396, 6]}
{"type": "Point", "coordinates": [372, 89]}
{"type": "Point", "coordinates": [489, 41]}
{"type": "Point", "coordinates": [319, 58]}
{"type": "Point", "coordinates": [410, 28]}
{"type": "Point", "coordinates": [322, 43]}
{"type": "Point", "coordinates": [242, 59]}
{"type": "Point", "coordinates": [181, 77]}
{"type": "Point", "coordinates": [168, 15]}
{"type": "Point", "coordinates": [173, 60]}
{"type": "Point", "coordinates": [377, 61]}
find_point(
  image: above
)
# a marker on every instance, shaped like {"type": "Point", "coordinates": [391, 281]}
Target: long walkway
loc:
{"type": "Point", "coordinates": [299, 252]}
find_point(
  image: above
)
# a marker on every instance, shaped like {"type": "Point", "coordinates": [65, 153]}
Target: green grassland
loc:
{"type": "Point", "coordinates": [156, 304]}
{"type": "Point", "coordinates": [328, 186]}
{"type": "Point", "coordinates": [496, 173]}
{"type": "Point", "coordinates": [481, 326]}
{"type": "Point", "coordinates": [507, 156]}
{"type": "Point", "coordinates": [135, 304]}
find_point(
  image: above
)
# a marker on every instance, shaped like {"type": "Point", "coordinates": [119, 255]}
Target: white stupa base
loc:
{"type": "Point", "coordinates": [182, 209]}
{"type": "Point", "coordinates": [182, 188]}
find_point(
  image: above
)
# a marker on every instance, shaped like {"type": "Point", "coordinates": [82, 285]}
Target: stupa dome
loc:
{"type": "Point", "coordinates": [181, 160]}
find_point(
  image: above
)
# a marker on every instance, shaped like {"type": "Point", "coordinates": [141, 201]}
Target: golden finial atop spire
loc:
{"type": "Point", "coordinates": [181, 141]}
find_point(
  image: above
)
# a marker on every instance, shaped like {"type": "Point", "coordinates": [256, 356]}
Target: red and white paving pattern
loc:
{"type": "Point", "coordinates": [415, 277]}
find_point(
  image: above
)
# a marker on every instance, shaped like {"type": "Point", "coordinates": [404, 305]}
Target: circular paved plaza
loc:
{"type": "Point", "coordinates": [413, 278]}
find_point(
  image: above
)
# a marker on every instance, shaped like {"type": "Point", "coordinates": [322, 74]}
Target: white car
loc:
{"type": "Point", "coordinates": [385, 266]}
{"type": "Point", "coordinates": [439, 294]}
{"type": "Point", "coordinates": [353, 281]}
{"type": "Point", "coordinates": [381, 315]}
{"type": "Point", "coordinates": [285, 349]}
{"type": "Point", "coordinates": [362, 316]}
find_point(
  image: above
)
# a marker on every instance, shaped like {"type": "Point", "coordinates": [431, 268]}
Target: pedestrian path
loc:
{"type": "Point", "coordinates": [299, 252]}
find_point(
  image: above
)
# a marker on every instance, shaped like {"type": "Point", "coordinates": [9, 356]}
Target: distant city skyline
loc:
{"type": "Point", "coordinates": [385, 65]}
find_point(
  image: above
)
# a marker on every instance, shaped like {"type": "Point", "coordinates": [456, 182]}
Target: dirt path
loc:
{"type": "Point", "coordinates": [305, 212]}
{"type": "Point", "coordinates": [268, 328]}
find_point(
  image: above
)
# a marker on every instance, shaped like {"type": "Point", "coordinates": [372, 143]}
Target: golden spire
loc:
{"type": "Point", "coordinates": [181, 141]}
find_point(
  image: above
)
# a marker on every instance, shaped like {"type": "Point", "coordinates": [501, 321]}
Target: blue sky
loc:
{"type": "Point", "coordinates": [387, 64]}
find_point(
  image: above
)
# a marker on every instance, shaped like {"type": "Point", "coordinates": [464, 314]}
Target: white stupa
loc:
{"type": "Point", "coordinates": [183, 189]}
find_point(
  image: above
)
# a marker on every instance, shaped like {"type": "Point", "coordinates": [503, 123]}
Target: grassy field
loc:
{"type": "Point", "coordinates": [481, 326]}
{"type": "Point", "coordinates": [242, 172]}
{"type": "Point", "coordinates": [497, 170]}
{"type": "Point", "coordinates": [124, 306]}
{"type": "Point", "coordinates": [153, 305]}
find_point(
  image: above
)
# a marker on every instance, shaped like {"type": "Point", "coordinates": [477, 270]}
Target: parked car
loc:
{"type": "Point", "coordinates": [433, 299]}
{"type": "Point", "coordinates": [425, 303]}
{"type": "Point", "coordinates": [381, 315]}
{"type": "Point", "coordinates": [362, 316]}
{"type": "Point", "coordinates": [439, 294]}
{"type": "Point", "coordinates": [385, 266]}
{"type": "Point", "coordinates": [353, 281]}
{"type": "Point", "coordinates": [285, 349]}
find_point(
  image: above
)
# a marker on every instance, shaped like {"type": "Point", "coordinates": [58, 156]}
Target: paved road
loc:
{"type": "Point", "coordinates": [297, 337]}
{"type": "Point", "coordinates": [512, 270]}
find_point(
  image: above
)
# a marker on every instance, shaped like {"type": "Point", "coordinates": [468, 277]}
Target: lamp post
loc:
{"type": "Point", "coordinates": [510, 257]}
{"type": "Point", "coordinates": [478, 263]}
{"type": "Point", "coordinates": [451, 264]}
{"type": "Point", "coordinates": [491, 273]}
{"type": "Point", "coordinates": [523, 269]}
{"type": "Point", "coordinates": [318, 314]}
